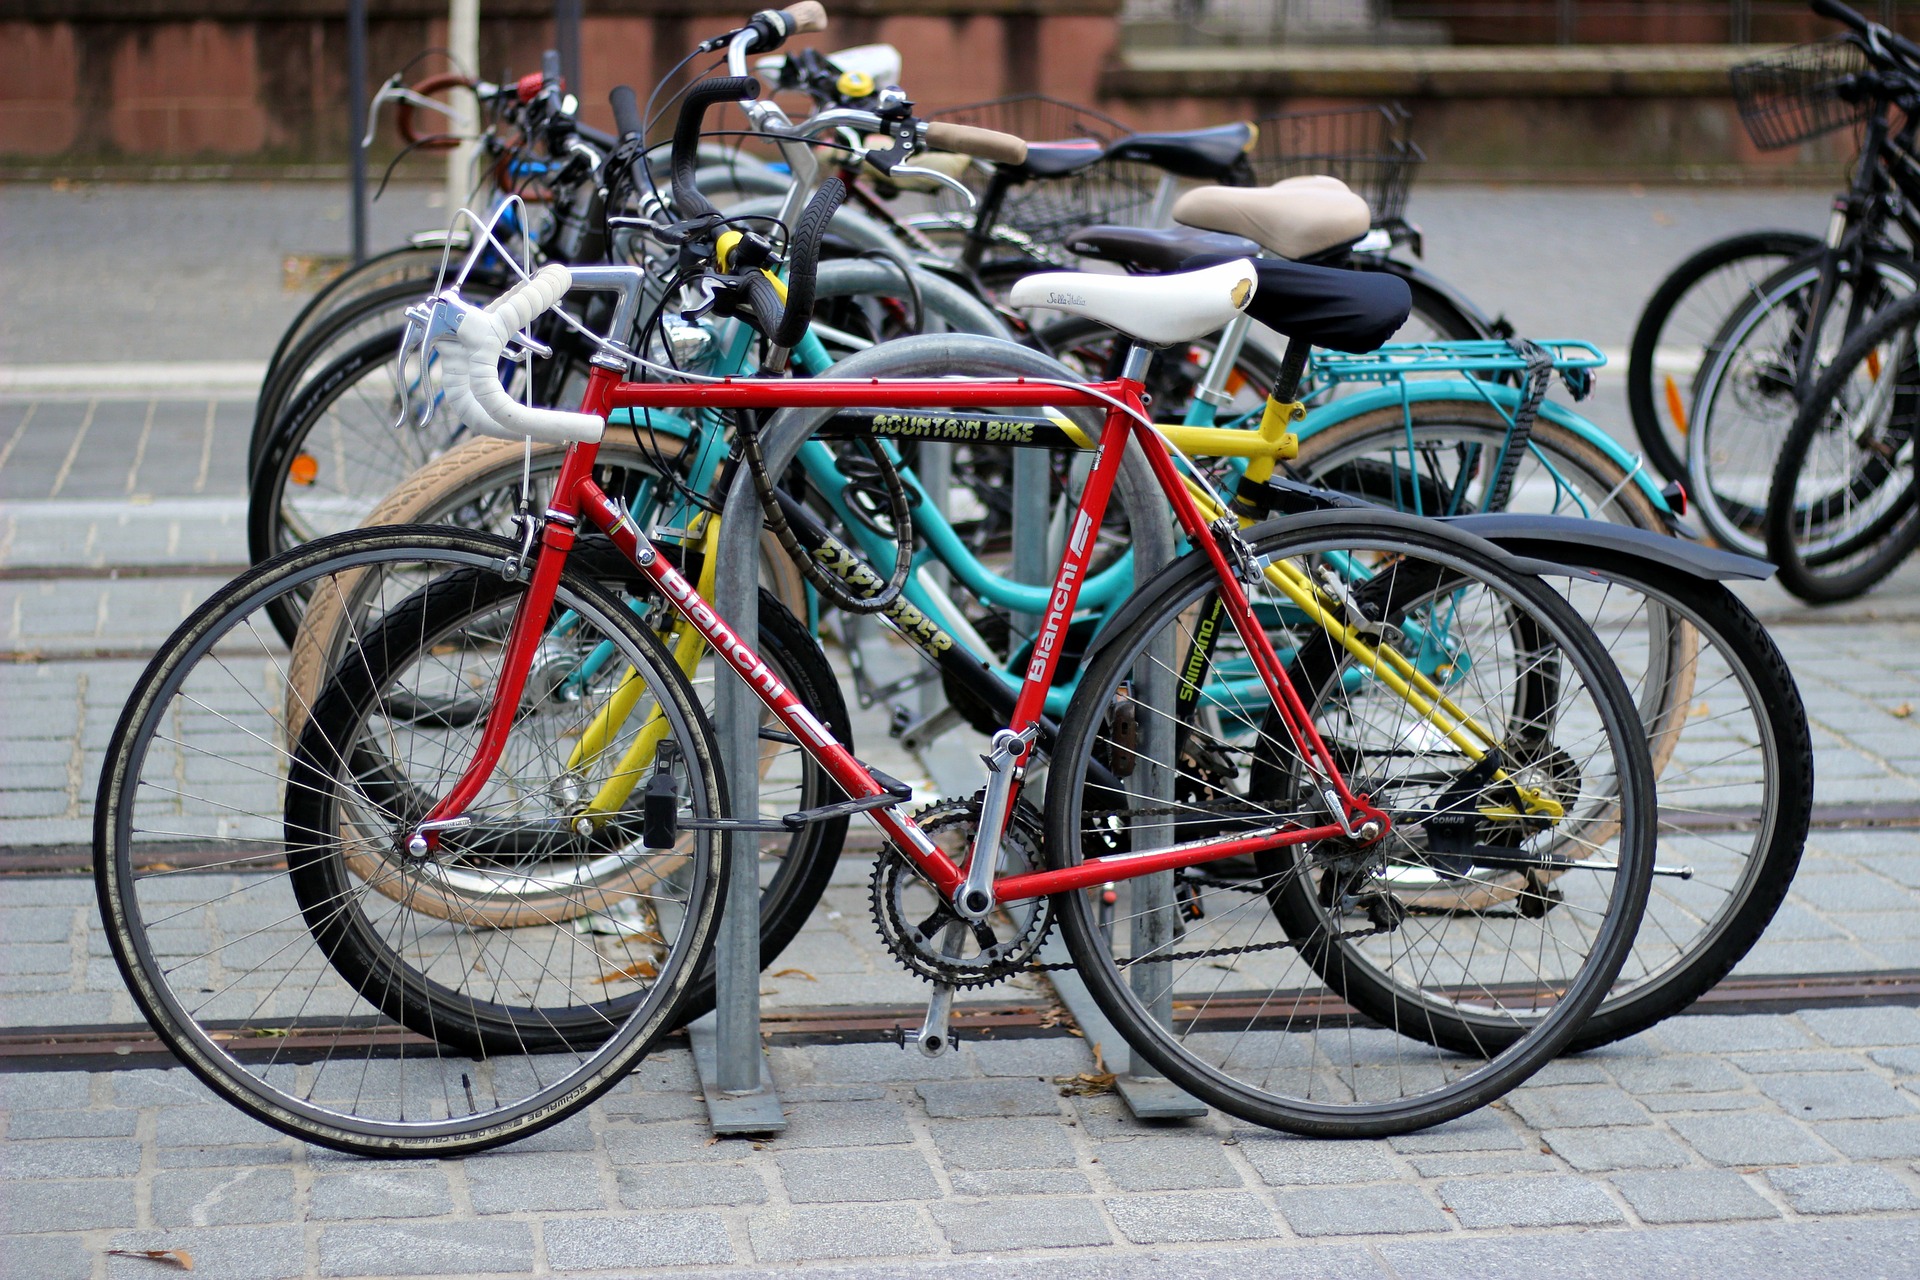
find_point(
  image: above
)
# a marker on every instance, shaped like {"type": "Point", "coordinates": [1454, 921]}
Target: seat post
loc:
{"type": "Point", "coordinates": [1139, 358]}
{"type": "Point", "coordinates": [1292, 365]}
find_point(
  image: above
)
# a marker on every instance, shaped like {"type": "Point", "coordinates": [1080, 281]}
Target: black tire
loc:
{"type": "Point", "coordinates": [330, 339]}
{"type": "Point", "coordinates": [475, 486]}
{"type": "Point", "coordinates": [1702, 647]}
{"type": "Point", "coordinates": [1740, 834]}
{"type": "Point", "coordinates": [1685, 312]}
{"type": "Point", "coordinates": [223, 958]}
{"type": "Point", "coordinates": [1843, 510]}
{"type": "Point", "coordinates": [342, 426]}
{"type": "Point", "coordinates": [408, 262]}
{"type": "Point", "coordinates": [1340, 1083]}
{"type": "Point", "coordinates": [1748, 393]}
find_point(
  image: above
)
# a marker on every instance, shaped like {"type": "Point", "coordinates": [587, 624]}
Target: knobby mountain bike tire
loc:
{"type": "Point", "coordinates": [1254, 1006]}
{"type": "Point", "coordinates": [1843, 509]}
{"type": "Point", "coordinates": [1677, 326]}
{"type": "Point", "coordinates": [269, 963]}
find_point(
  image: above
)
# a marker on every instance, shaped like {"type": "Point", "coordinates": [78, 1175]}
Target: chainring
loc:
{"type": "Point", "coordinates": [913, 919]}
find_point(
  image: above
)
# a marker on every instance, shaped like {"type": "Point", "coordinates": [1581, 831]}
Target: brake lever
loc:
{"type": "Point", "coordinates": [394, 91]}
{"type": "Point", "coordinates": [952, 184]}
{"type": "Point", "coordinates": [709, 296]}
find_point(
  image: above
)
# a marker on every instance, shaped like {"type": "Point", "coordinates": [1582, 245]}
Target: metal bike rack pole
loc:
{"type": "Point", "coordinates": [357, 127]}
{"type": "Point", "coordinates": [741, 1092]}
{"type": "Point", "coordinates": [1148, 901]}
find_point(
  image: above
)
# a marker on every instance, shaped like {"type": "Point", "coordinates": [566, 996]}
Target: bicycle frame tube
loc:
{"type": "Point", "coordinates": [576, 495]}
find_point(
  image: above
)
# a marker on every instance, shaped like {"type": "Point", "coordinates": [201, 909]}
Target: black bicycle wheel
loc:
{"type": "Point", "coordinates": [477, 486]}
{"type": "Point", "coordinates": [1843, 510]}
{"type": "Point", "coordinates": [1749, 393]}
{"type": "Point", "coordinates": [1678, 325]}
{"type": "Point", "coordinates": [1243, 992]}
{"type": "Point", "coordinates": [407, 263]}
{"type": "Point", "coordinates": [275, 930]}
{"type": "Point", "coordinates": [330, 339]}
{"type": "Point", "coordinates": [1725, 723]}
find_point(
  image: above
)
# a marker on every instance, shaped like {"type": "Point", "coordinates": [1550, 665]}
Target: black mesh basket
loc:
{"type": "Point", "coordinates": [1113, 191]}
{"type": "Point", "coordinates": [1365, 147]}
{"type": "Point", "coordinates": [1797, 94]}
{"type": "Point", "coordinates": [1037, 118]}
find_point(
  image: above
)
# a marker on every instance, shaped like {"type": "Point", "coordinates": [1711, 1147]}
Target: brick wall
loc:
{"type": "Point", "coordinates": [126, 81]}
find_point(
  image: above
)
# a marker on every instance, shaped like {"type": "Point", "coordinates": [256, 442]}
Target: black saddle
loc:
{"type": "Point", "coordinates": [1342, 310]}
{"type": "Point", "coordinates": [1215, 155]}
{"type": "Point", "coordinates": [1057, 159]}
{"type": "Point", "coordinates": [1154, 251]}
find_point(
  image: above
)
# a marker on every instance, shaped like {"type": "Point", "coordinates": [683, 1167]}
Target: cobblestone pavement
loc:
{"type": "Point", "coordinates": [1803, 1127]}
{"type": "Point", "coordinates": [1770, 1144]}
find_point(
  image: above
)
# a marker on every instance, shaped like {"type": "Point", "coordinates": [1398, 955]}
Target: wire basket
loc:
{"type": "Point", "coordinates": [1109, 191]}
{"type": "Point", "coordinates": [1365, 147]}
{"type": "Point", "coordinates": [1037, 118]}
{"type": "Point", "coordinates": [1796, 94]}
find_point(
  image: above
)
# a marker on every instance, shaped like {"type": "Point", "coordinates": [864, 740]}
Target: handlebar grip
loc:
{"type": "Point", "coordinates": [769, 308]}
{"type": "Point", "coordinates": [626, 112]}
{"type": "Point", "coordinates": [803, 258]}
{"type": "Point", "coordinates": [983, 144]}
{"type": "Point", "coordinates": [550, 66]}
{"type": "Point", "coordinates": [1840, 13]}
{"type": "Point", "coordinates": [686, 137]}
{"type": "Point", "coordinates": [470, 374]}
{"type": "Point", "coordinates": [809, 17]}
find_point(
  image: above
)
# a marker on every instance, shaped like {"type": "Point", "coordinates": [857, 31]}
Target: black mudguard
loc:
{"type": "Point", "coordinates": [1538, 535]}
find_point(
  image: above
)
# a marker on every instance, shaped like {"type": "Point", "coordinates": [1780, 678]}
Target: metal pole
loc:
{"type": "Point", "coordinates": [1564, 21]}
{"type": "Point", "coordinates": [1032, 503]}
{"type": "Point", "coordinates": [1740, 22]}
{"type": "Point", "coordinates": [566, 38]}
{"type": "Point", "coordinates": [934, 468]}
{"type": "Point", "coordinates": [357, 126]}
{"type": "Point", "coordinates": [463, 43]}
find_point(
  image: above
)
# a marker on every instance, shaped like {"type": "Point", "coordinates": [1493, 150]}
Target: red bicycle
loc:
{"type": "Point", "coordinates": [457, 892]}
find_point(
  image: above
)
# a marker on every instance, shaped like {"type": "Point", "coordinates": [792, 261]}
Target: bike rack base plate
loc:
{"type": "Point", "coordinates": [733, 1113]}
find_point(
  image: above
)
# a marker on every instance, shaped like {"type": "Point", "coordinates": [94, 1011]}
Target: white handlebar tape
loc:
{"type": "Point", "coordinates": [470, 376]}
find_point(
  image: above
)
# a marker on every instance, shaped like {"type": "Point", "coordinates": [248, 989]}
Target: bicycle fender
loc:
{"type": "Point", "coordinates": [1538, 535]}
{"type": "Point", "coordinates": [1320, 417]}
{"type": "Point", "coordinates": [1364, 518]}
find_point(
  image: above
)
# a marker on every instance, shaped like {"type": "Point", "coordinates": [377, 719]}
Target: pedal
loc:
{"type": "Point", "coordinates": [899, 722]}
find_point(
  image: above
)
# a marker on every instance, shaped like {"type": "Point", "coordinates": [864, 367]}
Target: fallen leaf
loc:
{"type": "Point", "coordinates": [177, 1257]}
{"type": "Point", "coordinates": [638, 969]}
{"type": "Point", "coordinates": [793, 973]}
{"type": "Point", "coordinates": [1903, 711]}
{"type": "Point", "coordinates": [1087, 1084]}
